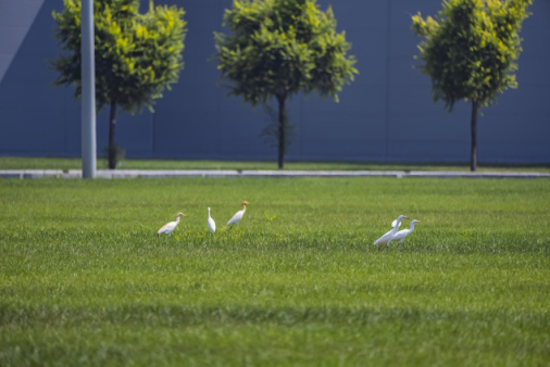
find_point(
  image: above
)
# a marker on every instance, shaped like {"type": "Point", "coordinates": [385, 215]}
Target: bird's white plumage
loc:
{"type": "Point", "coordinates": [387, 237]}
{"type": "Point", "coordinates": [168, 228]}
{"type": "Point", "coordinates": [394, 223]}
{"type": "Point", "coordinates": [239, 215]}
{"type": "Point", "coordinates": [399, 236]}
{"type": "Point", "coordinates": [384, 239]}
{"type": "Point", "coordinates": [211, 223]}
{"type": "Point", "coordinates": [236, 218]}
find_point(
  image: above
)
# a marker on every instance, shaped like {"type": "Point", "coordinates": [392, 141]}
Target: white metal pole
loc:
{"type": "Point", "coordinates": [89, 148]}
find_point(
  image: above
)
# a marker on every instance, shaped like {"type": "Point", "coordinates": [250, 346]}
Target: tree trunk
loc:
{"type": "Point", "coordinates": [282, 100]}
{"type": "Point", "coordinates": [112, 151]}
{"type": "Point", "coordinates": [473, 156]}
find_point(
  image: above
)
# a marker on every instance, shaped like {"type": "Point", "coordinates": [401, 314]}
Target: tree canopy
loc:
{"type": "Point", "coordinates": [471, 48]}
{"type": "Point", "coordinates": [137, 56]}
{"type": "Point", "coordinates": [278, 48]}
{"type": "Point", "coordinates": [470, 52]}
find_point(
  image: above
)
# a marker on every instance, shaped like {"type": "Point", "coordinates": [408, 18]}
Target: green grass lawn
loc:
{"type": "Point", "coordinates": [73, 163]}
{"type": "Point", "coordinates": [85, 280]}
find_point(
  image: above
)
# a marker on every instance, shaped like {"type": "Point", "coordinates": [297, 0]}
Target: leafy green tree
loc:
{"type": "Point", "coordinates": [137, 55]}
{"type": "Point", "coordinates": [278, 48]}
{"type": "Point", "coordinates": [470, 52]}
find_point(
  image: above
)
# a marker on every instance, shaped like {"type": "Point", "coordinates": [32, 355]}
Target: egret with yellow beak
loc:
{"type": "Point", "coordinates": [168, 228]}
{"type": "Point", "coordinates": [400, 236]}
{"type": "Point", "coordinates": [239, 215]}
{"type": "Point", "coordinates": [387, 237]}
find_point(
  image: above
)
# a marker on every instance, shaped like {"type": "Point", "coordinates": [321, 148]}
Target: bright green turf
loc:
{"type": "Point", "coordinates": [84, 280]}
{"type": "Point", "coordinates": [73, 163]}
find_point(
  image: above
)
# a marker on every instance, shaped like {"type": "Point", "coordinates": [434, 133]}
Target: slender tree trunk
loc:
{"type": "Point", "coordinates": [282, 100]}
{"type": "Point", "coordinates": [112, 146]}
{"type": "Point", "coordinates": [473, 157]}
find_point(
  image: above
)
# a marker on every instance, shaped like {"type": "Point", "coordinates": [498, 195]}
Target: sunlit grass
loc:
{"type": "Point", "coordinates": [73, 163]}
{"type": "Point", "coordinates": [85, 280]}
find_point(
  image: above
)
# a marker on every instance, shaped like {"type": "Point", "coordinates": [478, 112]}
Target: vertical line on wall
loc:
{"type": "Point", "coordinates": [66, 153]}
{"type": "Point", "coordinates": [219, 128]}
{"type": "Point", "coordinates": [220, 92]}
{"type": "Point", "coordinates": [388, 79]}
{"type": "Point", "coordinates": [302, 125]}
{"type": "Point", "coordinates": [153, 137]}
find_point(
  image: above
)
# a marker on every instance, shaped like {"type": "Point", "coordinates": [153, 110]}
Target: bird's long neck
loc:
{"type": "Point", "coordinates": [412, 226]}
{"type": "Point", "coordinates": [178, 219]}
{"type": "Point", "coordinates": [244, 208]}
{"type": "Point", "coordinates": [396, 228]}
{"type": "Point", "coordinates": [209, 213]}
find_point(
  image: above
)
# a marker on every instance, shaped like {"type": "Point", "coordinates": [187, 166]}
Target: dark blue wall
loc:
{"type": "Point", "coordinates": [386, 114]}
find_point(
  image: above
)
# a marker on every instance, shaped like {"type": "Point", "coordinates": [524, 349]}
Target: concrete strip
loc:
{"type": "Point", "coordinates": [322, 173]}
{"type": "Point", "coordinates": [455, 174]}
{"type": "Point", "coordinates": [160, 173]}
{"type": "Point", "coordinates": [108, 174]}
{"type": "Point", "coordinates": [276, 173]}
{"type": "Point", "coordinates": [34, 173]}
{"type": "Point", "coordinates": [30, 173]}
{"type": "Point", "coordinates": [11, 174]}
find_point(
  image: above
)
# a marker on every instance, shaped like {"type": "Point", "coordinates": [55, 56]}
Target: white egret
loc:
{"type": "Point", "coordinates": [394, 223]}
{"type": "Point", "coordinates": [399, 236]}
{"type": "Point", "coordinates": [211, 223]}
{"type": "Point", "coordinates": [389, 235]}
{"type": "Point", "coordinates": [239, 215]}
{"type": "Point", "coordinates": [169, 227]}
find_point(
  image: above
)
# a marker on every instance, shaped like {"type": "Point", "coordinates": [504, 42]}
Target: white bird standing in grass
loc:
{"type": "Point", "coordinates": [211, 223]}
{"type": "Point", "coordinates": [394, 223]}
{"type": "Point", "coordinates": [239, 215]}
{"type": "Point", "coordinates": [168, 228]}
{"type": "Point", "coordinates": [399, 236]}
{"type": "Point", "coordinates": [387, 237]}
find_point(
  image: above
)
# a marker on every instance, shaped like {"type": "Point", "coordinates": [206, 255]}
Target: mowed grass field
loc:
{"type": "Point", "coordinates": [85, 280]}
{"type": "Point", "coordinates": [153, 164]}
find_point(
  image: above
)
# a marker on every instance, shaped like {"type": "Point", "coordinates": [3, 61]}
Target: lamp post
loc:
{"type": "Point", "coordinates": [89, 146]}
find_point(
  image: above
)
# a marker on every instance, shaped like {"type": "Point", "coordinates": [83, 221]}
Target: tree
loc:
{"type": "Point", "coordinates": [278, 48]}
{"type": "Point", "coordinates": [470, 52]}
{"type": "Point", "coordinates": [137, 55]}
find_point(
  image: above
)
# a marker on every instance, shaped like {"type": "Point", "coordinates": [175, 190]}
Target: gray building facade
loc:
{"type": "Point", "coordinates": [387, 114]}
